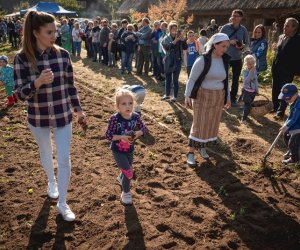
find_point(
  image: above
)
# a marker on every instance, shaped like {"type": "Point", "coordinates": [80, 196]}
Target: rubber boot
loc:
{"type": "Point", "coordinates": [10, 101]}
{"type": "Point", "coordinates": [15, 98]}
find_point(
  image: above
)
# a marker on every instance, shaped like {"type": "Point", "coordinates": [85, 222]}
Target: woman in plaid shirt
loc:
{"type": "Point", "coordinates": [43, 76]}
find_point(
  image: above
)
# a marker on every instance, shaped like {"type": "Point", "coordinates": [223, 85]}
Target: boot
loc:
{"type": "Point", "coordinates": [15, 98]}
{"type": "Point", "coordinates": [10, 101]}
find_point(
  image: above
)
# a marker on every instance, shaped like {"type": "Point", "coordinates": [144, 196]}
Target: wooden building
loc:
{"type": "Point", "coordinates": [256, 11]}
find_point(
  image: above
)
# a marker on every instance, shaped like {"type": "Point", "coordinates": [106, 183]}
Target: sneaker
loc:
{"type": "Point", "coordinates": [289, 162]}
{"type": "Point", "coordinates": [165, 98]}
{"type": "Point", "coordinates": [126, 198]}
{"type": "Point", "coordinates": [65, 211]}
{"type": "Point", "coordinates": [278, 117]}
{"type": "Point", "coordinates": [287, 155]}
{"type": "Point", "coordinates": [190, 159]}
{"type": "Point", "coordinates": [52, 190]}
{"type": "Point", "coordinates": [203, 153]}
{"type": "Point", "coordinates": [245, 121]}
{"type": "Point", "coordinates": [119, 180]}
{"type": "Point", "coordinates": [234, 103]}
{"type": "Point", "coordinates": [173, 99]}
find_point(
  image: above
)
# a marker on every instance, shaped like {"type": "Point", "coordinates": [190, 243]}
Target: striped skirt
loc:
{"type": "Point", "coordinates": [207, 109]}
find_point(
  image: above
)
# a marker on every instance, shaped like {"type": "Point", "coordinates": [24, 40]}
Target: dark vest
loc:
{"type": "Point", "coordinates": [207, 63]}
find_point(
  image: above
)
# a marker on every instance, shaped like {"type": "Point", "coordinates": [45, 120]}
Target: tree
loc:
{"type": "Point", "coordinates": [167, 10]}
{"type": "Point", "coordinates": [23, 5]}
{"type": "Point", "coordinates": [113, 5]}
{"type": "Point", "coordinates": [69, 4]}
{"type": "Point", "coordinates": [2, 12]}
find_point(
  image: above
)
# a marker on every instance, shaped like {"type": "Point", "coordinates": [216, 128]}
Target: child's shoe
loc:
{"type": "Point", "coordinates": [289, 162]}
{"type": "Point", "coordinates": [65, 211]}
{"type": "Point", "coordinates": [204, 154]}
{"type": "Point", "coordinates": [126, 198]}
{"type": "Point", "coordinates": [190, 159]}
{"type": "Point", "coordinates": [10, 101]}
{"type": "Point", "coordinates": [119, 180]}
{"type": "Point", "coordinates": [15, 98]}
{"type": "Point", "coordinates": [287, 155]}
{"type": "Point", "coordinates": [52, 190]}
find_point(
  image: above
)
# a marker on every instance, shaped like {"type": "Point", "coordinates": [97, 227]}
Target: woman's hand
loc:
{"type": "Point", "coordinates": [188, 102]}
{"type": "Point", "coordinates": [81, 119]}
{"type": "Point", "coordinates": [227, 105]}
{"type": "Point", "coordinates": [45, 78]}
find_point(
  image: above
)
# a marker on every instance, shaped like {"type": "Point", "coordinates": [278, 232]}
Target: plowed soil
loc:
{"type": "Point", "coordinates": [227, 203]}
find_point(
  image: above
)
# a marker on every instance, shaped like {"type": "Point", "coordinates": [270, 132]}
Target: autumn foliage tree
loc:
{"type": "Point", "coordinates": [166, 10]}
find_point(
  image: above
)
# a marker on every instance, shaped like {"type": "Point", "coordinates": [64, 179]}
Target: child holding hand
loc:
{"type": "Point", "coordinates": [124, 128]}
{"type": "Point", "coordinates": [250, 85]}
{"type": "Point", "coordinates": [7, 78]}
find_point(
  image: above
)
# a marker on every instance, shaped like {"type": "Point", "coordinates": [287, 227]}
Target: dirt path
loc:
{"type": "Point", "coordinates": [229, 203]}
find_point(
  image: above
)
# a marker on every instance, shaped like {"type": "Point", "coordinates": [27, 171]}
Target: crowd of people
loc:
{"type": "Point", "coordinates": [40, 63]}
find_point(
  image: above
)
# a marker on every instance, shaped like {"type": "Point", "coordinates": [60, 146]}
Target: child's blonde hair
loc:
{"type": "Point", "coordinates": [121, 93]}
{"type": "Point", "coordinates": [249, 59]}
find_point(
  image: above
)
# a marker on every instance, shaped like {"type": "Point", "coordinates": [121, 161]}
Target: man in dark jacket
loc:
{"type": "Point", "coordinates": [104, 37]}
{"type": "Point", "coordinates": [286, 63]}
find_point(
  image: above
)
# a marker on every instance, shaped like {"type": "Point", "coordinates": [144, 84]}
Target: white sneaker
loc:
{"type": "Point", "coordinates": [203, 153]}
{"type": "Point", "coordinates": [119, 180]}
{"type": "Point", "coordinates": [126, 198]}
{"type": "Point", "coordinates": [52, 190]}
{"type": "Point", "coordinates": [65, 211]}
{"type": "Point", "coordinates": [190, 159]}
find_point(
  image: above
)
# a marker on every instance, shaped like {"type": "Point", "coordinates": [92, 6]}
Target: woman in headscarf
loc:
{"type": "Point", "coordinates": [207, 92]}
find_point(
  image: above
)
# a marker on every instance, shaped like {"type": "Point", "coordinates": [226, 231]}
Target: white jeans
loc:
{"type": "Point", "coordinates": [62, 138]}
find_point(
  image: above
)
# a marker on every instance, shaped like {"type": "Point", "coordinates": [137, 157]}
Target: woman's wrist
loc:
{"type": "Point", "coordinates": [37, 83]}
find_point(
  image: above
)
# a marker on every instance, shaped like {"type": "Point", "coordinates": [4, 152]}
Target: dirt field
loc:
{"type": "Point", "coordinates": [229, 203]}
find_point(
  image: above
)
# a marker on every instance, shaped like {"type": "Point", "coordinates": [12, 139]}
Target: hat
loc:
{"type": "Point", "coordinates": [216, 38]}
{"type": "Point", "coordinates": [4, 58]}
{"type": "Point", "coordinates": [287, 91]}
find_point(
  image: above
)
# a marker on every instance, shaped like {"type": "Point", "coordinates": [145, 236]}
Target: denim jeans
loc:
{"type": "Point", "coordinates": [111, 59]}
{"type": "Point", "coordinates": [62, 139]}
{"type": "Point", "coordinates": [126, 61]}
{"type": "Point", "coordinates": [96, 51]}
{"type": "Point", "coordinates": [293, 143]}
{"type": "Point", "coordinates": [160, 64]}
{"type": "Point", "coordinates": [236, 66]}
{"type": "Point", "coordinates": [124, 161]}
{"type": "Point", "coordinates": [248, 98]}
{"type": "Point", "coordinates": [173, 77]}
{"type": "Point", "coordinates": [76, 48]}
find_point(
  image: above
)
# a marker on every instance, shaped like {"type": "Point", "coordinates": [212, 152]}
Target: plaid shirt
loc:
{"type": "Point", "coordinates": [48, 106]}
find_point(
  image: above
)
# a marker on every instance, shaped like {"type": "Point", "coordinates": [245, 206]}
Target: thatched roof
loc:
{"type": "Point", "coordinates": [137, 5]}
{"type": "Point", "coordinates": [211, 5]}
{"type": "Point", "coordinates": [208, 5]}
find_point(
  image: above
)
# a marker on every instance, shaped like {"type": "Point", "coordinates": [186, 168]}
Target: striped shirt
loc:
{"type": "Point", "coordinates": [49, 105]}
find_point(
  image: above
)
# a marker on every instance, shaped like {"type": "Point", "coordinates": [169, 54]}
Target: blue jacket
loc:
{"type": "Point", "coordinates": [293, 121]}
{"type": "Point", "coordinates": [259, 49]}
{"type": "Point", "coordinates": [129, 44]}
{"type": "Point", "coordinates": [7, 75]}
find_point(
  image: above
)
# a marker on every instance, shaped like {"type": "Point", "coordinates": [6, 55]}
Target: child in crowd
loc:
{"type": "Point", "coordinates": [7, 78]}
{"type": "Point", "coordinates": [112, 48]}
{"type": "Point", "coordinates": [291, 128]}
{"type": "Point", "coordinates": [192, 51]}
{"type": "Point", "coordinates": [140, 94]}
{"type": "Point", "coordinates": [250, 85]}
{"type": "Point", "coordinates": [123, 129]}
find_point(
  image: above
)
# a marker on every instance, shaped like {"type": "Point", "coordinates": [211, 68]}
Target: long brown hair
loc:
{"type": "Point", "coordinates": [33, 21]}
{"type": "Point", "coordinates": [262, 28]}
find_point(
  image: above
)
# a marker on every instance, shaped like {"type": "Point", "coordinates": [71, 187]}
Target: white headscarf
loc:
{"type": "Point", "coordinates": [216, 38]}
